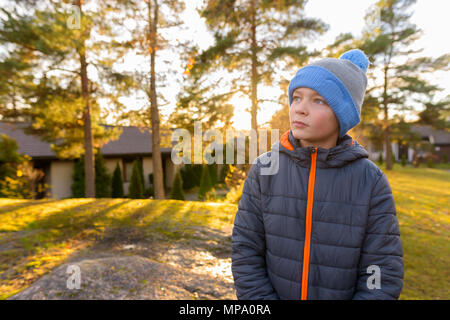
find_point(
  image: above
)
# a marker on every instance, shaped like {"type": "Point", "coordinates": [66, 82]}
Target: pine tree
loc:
{"type": "Point", "coordinates": [387, 39]}
{"type": "Point", "coordinates": [136, 189]}
{"type": "Point", "coordinates": [177, 188]}
{"type": "Point", "coordinates": [205, 183]}
{"type": "Point", "coordinates": [242, 44]}
{"type": "Point", "coordinates": [47, 55]}
{"type": "Point", "coordinates": [117, 183]}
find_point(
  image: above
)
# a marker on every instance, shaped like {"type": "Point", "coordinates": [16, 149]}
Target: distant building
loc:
{"type": "Point", "coordinates": [133, 143]}
{"type": "Point", "coordinates": [440, 139]}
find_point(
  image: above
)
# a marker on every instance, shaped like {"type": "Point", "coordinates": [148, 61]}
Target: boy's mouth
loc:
{"type": "Point", "coordinates": [300, 124]}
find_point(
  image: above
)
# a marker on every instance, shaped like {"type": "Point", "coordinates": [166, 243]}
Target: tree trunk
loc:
{"type": "Point", "coordinates": [387, 140]}
{"type": "Point", "coordinates": [254, 75]}
{"type": "Point", "coordinates": [158, 174]}
{"type": "Point", "coordinates": [89, 168]}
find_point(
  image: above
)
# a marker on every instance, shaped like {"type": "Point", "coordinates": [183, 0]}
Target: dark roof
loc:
{"type": "Point", "coordinates": [133, 141]}
{"type": "Point", "coordinates": [436, 137]}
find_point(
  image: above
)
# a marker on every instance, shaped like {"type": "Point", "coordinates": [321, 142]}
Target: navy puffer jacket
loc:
{"type": "Point", "coordinates": [323, 225]}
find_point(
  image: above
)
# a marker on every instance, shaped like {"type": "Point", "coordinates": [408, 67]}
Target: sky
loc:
{"type": "Point", "coordinates": [342, 16]}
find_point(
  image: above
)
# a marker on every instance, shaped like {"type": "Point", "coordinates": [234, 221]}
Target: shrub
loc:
{"type": "Point", "coordinates": [136, 189]}
{"type": "Point", "coordinates": [102, 178]}
{"type": "Point", "coordinates": [188, 176]}
{"type": "Point", "coordinates": [380, 158]}
{"type": "Point", "coordinates": [205, 184]}
{"type": "Point", "coordinates": [197, 169]}
{"type": "Point", "coordinates": [223, 172]}
{"type": "Point", "coordinates": [141, 172]}
{"type": "Point", "coordinates": [78, 179]}
{"type": "Point", "coordinates": [403, 160]}
{"type": "Point", "coordinates": [177, 189]}
{"type": "Point", "coordinates": [117, 183]}
{"type": "Point", "coordinates": [13, 182]}
{"type": "Point", "coordinates": [213, 173]}
{"type": "Point", "coordinates": [235, 193]}
{"type": "Point", "coordinates": [430, 163]}
{"type": "Point", "coordinates": [149, 192]}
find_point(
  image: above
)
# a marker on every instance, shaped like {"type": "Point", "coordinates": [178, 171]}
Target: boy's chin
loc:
{"type": "Point", "coordinates": [299, 133]}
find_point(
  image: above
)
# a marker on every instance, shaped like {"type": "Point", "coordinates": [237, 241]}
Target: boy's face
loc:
{"type": "Point", "coordinates": [322, 126]}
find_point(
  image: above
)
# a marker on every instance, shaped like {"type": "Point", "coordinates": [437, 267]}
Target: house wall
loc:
{"type": "Point", "coordinates": [61, 175]}
{"type": "Point", "coordinates": [61, 179]}
{"type": "Point", "coordinates": [111, 164]}
{"type": "Point", "coordinates": [441, 150]}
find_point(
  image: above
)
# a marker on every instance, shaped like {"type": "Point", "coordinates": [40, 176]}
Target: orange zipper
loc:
{"type": "Point", "coordinates": [309, 207]}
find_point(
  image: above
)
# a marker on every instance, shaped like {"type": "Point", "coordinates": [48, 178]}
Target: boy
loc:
{"type": "Point", "coordinates": [324, 225]}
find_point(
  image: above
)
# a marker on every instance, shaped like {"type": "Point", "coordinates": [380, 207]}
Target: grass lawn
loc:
{"type": "Point", "coordinates": [38, 235]}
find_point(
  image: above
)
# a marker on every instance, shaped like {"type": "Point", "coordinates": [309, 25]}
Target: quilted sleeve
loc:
{"type": "Point", "coordinates": [381, 262]}
{"type": "Point", "coordinates": [248, 244]}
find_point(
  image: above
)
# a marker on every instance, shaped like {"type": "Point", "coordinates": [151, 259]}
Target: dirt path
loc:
{"type": "Point", "coordinates": [127, 265]}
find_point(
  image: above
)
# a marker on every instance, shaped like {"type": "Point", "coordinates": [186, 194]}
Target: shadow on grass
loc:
{"type": "Point", "coordinates": [24, 204]}
{"type": "Point", "coordinates": [45, 243]}
{"type": "Point", "coordinates": [58, 237]}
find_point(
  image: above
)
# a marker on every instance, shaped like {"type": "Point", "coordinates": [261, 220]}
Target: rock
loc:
{"type": "Point", "coordinates": [111, 278]}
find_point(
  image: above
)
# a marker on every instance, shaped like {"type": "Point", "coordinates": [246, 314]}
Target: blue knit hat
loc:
{"type": "Point", "coordinates": [341, 82]}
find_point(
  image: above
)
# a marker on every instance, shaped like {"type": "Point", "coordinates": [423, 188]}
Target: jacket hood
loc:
{"type": "Point", "coordinates": [347, 150]}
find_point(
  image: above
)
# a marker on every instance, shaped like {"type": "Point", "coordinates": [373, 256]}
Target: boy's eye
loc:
{"type": "Point", "coordinates": [295, 98]}
{"type": "Point", "coordinates": [321, 101]}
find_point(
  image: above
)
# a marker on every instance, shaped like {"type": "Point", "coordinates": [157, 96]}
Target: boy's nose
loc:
{"type": "Point", "coordinates": [300, 107]}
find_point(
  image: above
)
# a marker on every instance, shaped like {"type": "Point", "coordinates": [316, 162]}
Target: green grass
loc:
{"type": "Point", "coordinates": [422, 200]}
{"type": "Point", "coordinates": [38, 235]}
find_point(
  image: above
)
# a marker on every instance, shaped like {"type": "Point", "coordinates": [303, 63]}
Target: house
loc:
{"type": "Point", "coordinates": [439, 139]}
{"type": "Point", "coordinates": [133, 143]}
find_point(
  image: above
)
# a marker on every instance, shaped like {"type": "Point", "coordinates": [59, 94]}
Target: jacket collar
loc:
{"type": "Point", "coordinates": [346, 150]}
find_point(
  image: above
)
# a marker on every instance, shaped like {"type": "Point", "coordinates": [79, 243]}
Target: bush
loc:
{"type": "Point", "coordinates": [117, 183]}
{"type": "Point", "coordinates": [188, 176]}
{"type": "Point", "coordinates": [235, 193]}
{"type": "Point", "coordinates": [177, 189]}
{"type": "Point", "coordinates": [403, 160]}
{"type": "Point", "coordinates": [136, 189]}
{"type": "Point", "coordinates": [223, 172]}
{"type": "Point", "coordinates": [205, 184]}
{"type": "Point", "coordinates": [141, 172]}
{"type": "Point", "coordinates": [102, 178]}
{"type": "Point", "coordinates": [13, 182]}
{"type": "Point", "coordinates": [9, 157]}
{"type": "Point", "coordinates": [149, 192]}
{"type": "Point", "coordinates": [430, 163]}
{"type": "Point", "coordinates": [380, 158]}
{"type": "Point", "coordinates": [444, 158]}
{"type": "Point", "coordinates": [213, 173]}
{"type": "Point", "coordinates": [197, 169]}
{"type": "Point", "coordinates": [78, 179]}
